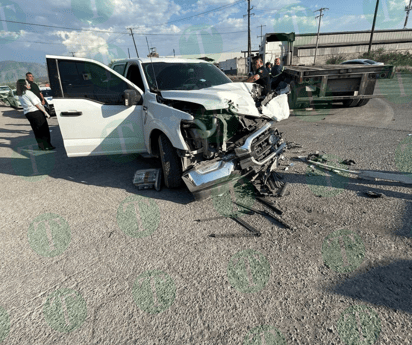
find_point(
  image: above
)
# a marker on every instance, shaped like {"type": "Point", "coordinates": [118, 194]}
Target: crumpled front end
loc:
{"type": "Point", "coordinates": [225, 144]}
{"type": "Point", "coordinates": [258, 155]}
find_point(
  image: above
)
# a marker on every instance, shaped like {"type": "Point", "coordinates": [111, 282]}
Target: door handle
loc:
{"type": "Point", "coordinates": [71, 113]}
{"type": "Point", "coordinates": [144, 108]}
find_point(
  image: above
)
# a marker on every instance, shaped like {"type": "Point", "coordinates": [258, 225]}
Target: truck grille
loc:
{"type": "Point", "coordinates": [261, 147]}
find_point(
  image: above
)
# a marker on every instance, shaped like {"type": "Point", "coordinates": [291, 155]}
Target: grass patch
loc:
{"type": "Point", "coordinates": [335, 60]}
{"type": "Point", "coordinates": [402, 60]}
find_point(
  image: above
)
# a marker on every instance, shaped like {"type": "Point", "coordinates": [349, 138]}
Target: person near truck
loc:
{"type": "Point", "coordinates": [269, 68]}
{"type": "Point", "coordinates": [34, 87]}
{"type": "Point", "coordinates": [35, 113]}
{"type": "Point", "coordinates": [277, 71]}
{"type": "Point", "coordinates": [261, 75]}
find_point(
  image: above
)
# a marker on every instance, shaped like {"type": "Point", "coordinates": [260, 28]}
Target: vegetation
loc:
{"type": "Point", "coordinates": [335, 60]}
{"type": "Point", "coordinates": [389, 58]}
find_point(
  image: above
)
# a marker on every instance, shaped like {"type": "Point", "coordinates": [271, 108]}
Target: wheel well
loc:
{"type": "Point", "coordinates": [154, 142]}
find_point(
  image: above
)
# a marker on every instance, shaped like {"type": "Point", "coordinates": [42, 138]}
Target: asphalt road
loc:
{"type": "Point", "coordinates": [86, 258]}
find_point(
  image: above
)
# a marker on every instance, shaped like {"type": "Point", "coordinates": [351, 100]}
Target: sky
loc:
{"type": "Point", "coordinates": [99, 29]}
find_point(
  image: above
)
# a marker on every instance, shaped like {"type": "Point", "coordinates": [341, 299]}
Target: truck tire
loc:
{"type": "Point", "coordinates": [363, 102]}
{"type": "Point", "coordinates": [293, 96]}
{"type": "Point", "coordinates": [348, 103]}
{"type": "Point", "coordinates": [171, 164]}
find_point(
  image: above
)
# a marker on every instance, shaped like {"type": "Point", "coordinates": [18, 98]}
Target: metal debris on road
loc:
{"type": "Point", "coordinates": [363, 174]}
{"type": "Point", "coordinates": [270, 204]}
{"type": "Point", "coordinates": [348, 162]}
{"type": "Point", "coordinates": [374, 195]}
{"type": "Point", "coordinates": [148, 178]}
{"type": "Point", "coordinates": [266, 213]}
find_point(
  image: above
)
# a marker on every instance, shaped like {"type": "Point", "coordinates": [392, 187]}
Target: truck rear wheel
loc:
{"type": "Point", "coordinates": [347, 103]}
{"type": "Point", "coordinates": [171, 164]}
{"type": "Point", "coordinates": [363, 102]}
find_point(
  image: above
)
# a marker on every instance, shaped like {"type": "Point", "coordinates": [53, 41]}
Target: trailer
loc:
{"type": "Point", "coordinates": [353, 85]}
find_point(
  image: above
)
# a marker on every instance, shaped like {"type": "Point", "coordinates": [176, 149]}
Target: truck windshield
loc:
{"type": "Point", "coordinates": [184, 76]}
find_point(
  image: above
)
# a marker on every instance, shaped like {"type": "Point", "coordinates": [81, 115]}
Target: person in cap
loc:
{"type": "Point", "coordinates": [261, 75]}
{"type": "Point", "coordinates": [35, 113]}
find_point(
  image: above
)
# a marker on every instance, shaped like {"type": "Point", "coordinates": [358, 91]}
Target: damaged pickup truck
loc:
{"type": "Point", "coordinates": [205, 129]}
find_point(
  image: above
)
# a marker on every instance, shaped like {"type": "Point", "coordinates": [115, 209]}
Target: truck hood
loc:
{"type": "Point", "coordinates": [232, 95]}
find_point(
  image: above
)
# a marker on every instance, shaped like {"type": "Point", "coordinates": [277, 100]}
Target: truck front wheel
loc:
{"type": "Point", "coordinates": [171, 163]}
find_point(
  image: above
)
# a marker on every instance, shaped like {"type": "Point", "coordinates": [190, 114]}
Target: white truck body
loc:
{"type": "Point", "coordinates": [96, 116]}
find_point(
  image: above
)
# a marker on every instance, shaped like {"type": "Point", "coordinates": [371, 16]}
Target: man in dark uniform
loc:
{"type": "Point", "coordinates": [262, 75]}
{"type": "Point", "coordinates": [34, 87]}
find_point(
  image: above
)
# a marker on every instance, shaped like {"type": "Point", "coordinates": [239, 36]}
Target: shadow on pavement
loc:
{"type": "Point", "coordinates": [32, 164]}
{"type": "Point", "coordinates": [389, 286]}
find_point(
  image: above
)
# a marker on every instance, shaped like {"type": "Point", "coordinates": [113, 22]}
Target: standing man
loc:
{"type": "Point", "coordinates": [262, 75]}
{"type": "Point", "coordinates": [277, 70]}
{"type": "Point", "coordinates": [34, 87]}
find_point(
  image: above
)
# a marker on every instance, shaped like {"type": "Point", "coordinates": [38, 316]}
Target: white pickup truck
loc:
{"type": "Point", "coordinates": [205, 129]}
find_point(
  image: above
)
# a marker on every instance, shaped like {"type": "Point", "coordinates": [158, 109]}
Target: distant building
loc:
{"type": "Point", "coordinates": [236, 66]}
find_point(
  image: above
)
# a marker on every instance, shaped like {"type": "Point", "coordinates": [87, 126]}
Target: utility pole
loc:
{"type": "Point", "coordinates": [261, 31]}
{"type": "Point", "coordinates": [131, 34]}
{"type": "Point", "coordinates": [373, 26]}
{"type": "Point", "coordinates": [317, 39]}
{"type": "Point", "coordinates": [174, 55]}
{"type": "Point", "coordinates": [249, 43]}
{"type": "Point", "coordinates": [72, 53]}
{"type": "Point", "coordinates": [407, 9]}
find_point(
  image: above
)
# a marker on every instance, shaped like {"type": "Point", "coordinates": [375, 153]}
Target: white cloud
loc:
{"type": "Point", "coordinates": [85, 44]}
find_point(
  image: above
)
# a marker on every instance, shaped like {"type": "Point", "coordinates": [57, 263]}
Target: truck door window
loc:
{"type": "Point", "coordinates": [91, 81]}
{"type": "Point", "coordinates": [119, 68]}
{"type": "Point", "coordinates": [133, 74]}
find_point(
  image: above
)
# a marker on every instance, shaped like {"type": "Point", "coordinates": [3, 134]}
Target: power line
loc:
{"type": "Point", "coordinates": [202, 13]}
{"type": "Point", "coordinates": [261, 31]}
{"type": "Point", "coordinates": [61, 27]}
{"type": "Point", "coordinates": [112, 32]}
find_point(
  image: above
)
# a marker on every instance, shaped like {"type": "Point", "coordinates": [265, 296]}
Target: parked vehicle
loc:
{"type": "Point", "coordinates": [48, 96]}
{"type": "Point", "coordinates": [4, 93]}
{"type": "Point", "coordinates": [361, 62]}
{"type": "Point", "coordinates": [204, 129]}
{"type": "Point", "coordinates": [13, 100]}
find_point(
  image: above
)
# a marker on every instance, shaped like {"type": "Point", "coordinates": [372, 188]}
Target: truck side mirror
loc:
{"type": "Point", "coordinates": [131, 97]}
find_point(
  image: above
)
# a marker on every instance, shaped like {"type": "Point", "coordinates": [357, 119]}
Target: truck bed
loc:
{"type": "Point", "coordinates": [386, 71]}
{"type": "Point", "coordinates": [351, 84]}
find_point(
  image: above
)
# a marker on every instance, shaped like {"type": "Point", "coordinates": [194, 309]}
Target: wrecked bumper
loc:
{"type": "Point", "coordinates": [258, 153]}
{"type": "Point", "coordinates": [203, 180]}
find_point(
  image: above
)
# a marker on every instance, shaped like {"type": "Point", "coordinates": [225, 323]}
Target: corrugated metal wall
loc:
{"type": "Point", "coordinates": [348, 37]}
